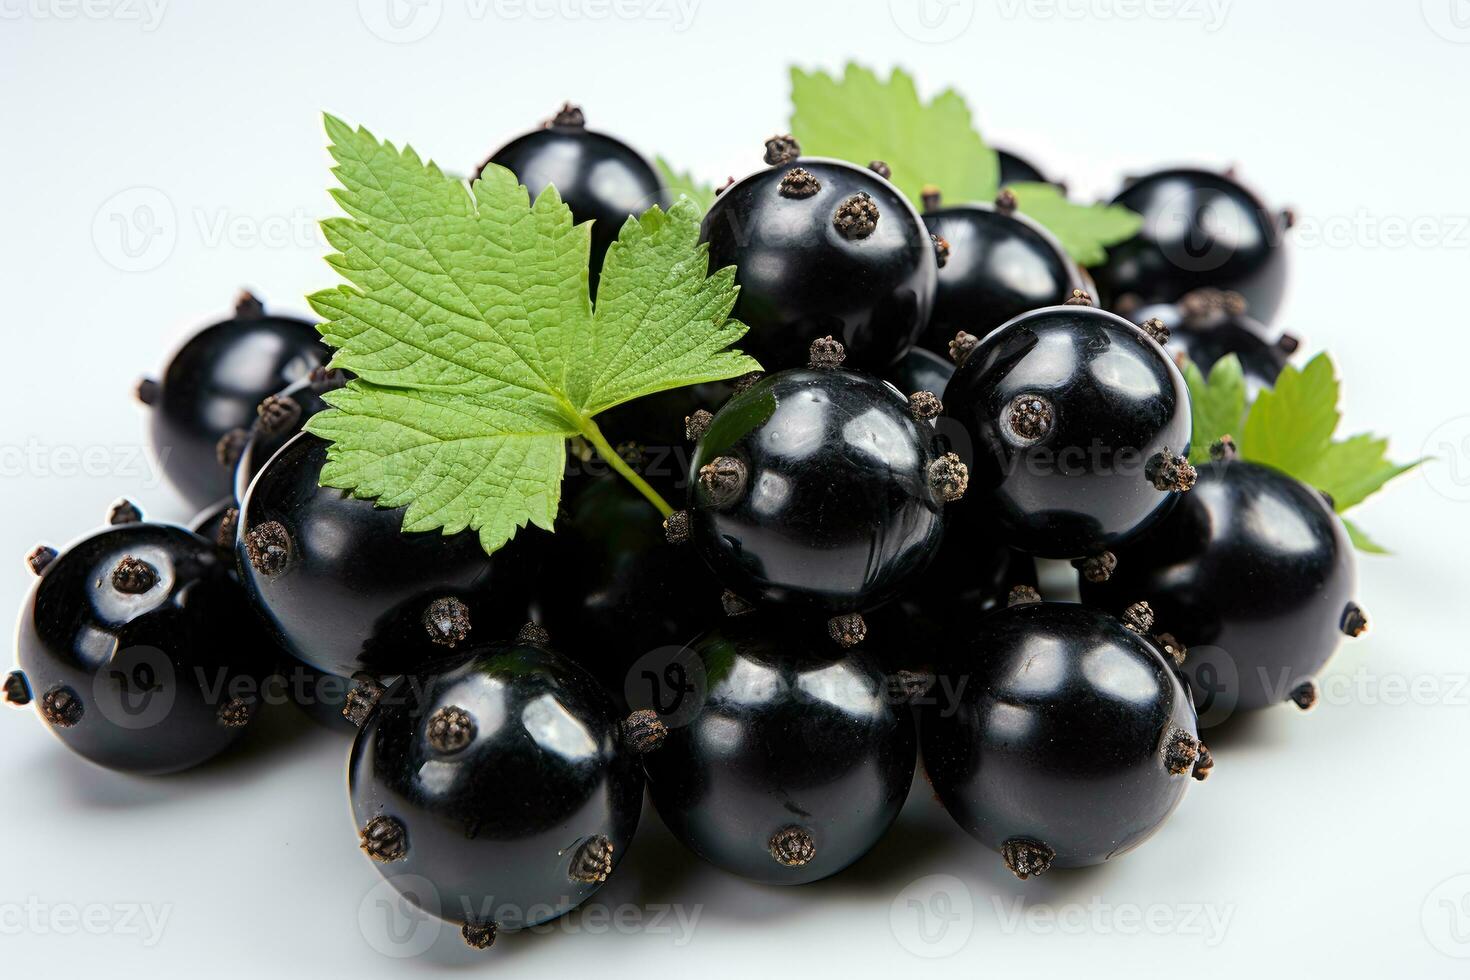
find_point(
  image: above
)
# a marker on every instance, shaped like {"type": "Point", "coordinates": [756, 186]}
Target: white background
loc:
{"type": "Point", "coordinates": [1328, 842]}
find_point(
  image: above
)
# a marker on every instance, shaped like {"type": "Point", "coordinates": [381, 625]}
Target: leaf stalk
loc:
{"type": "Point", "coordinates": [593, 435]}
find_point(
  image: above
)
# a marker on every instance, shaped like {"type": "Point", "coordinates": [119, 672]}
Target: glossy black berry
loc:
{"type": "Point", "coordinates": [971, 574]}
{"type": "Point", "coordinates": [140, 650]}
{"type": "Point", "coordinates": [1068, 739]}
{"type": "Point", "coordinates": [1253, 574]}
{"type": "Point", "coordinates": [211, 389]}
{"type": "Point", "coordinates": [1018, 170]}
{"type": "Point", "coordinates": [1078, 423]}
{"type": "Point", "coordinates": [599, 177]}
{"type": "Point", "coordinates": [1200, 229]}
{"type": "Point", "coordinates": [279, 417]}
{"type": "Point", "coordinates": [921, 370]}
{"type": "Point", "coordinates": [823, 247]}
{"type": "Point", "coordinates": [321, 697]}
{"type": "Point", "coordinates": [612, 589]}
{"type": "Point", "coordinates": [346, 590]}
{"type": "Point", "coordinates": [217, 525]}
{"type": "Point", "coordinates": [1001, 264]}
{"type": "Point", "coordinates": [818, 488]}
{"type": "Point", "coordinates": [784, 761]}
{"type": "Point", "coordinates": [506, 782]}
{"type": "Point", "coordinates": [1208, 325]}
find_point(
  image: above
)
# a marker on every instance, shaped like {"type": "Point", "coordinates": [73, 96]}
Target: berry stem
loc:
{"type": "Point", "coordinates": [599, 442]}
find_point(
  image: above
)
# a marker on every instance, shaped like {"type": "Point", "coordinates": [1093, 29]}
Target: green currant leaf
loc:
{"type": "Point", "coordinates": [1361, 541]}
{"type": "Point", "coordinates": [661, 322]}
{"type": "Point", "coordinates": [1291, 424]}
{"type": "Point", "coordinates": [1217, 405]}
{"type": "Point", "coordinates": [1351, 470]}
{"type": "Point", "coordinates": [861, 118]}
{"type": "Point", "coordinates": [475, 348]}
{"type": "Point", "coordinates": [683, 184]}
{"type": "Point", "coordinates": [1290, 427]}
{"type": "Point", "coordinates": [1085, 230]}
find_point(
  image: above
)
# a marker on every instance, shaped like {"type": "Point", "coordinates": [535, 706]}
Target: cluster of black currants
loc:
{"type": "Point", "coordinates": [852, 581]}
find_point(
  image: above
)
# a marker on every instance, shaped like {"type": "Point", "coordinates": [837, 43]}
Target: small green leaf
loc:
{"type": "Point", "coordinates": [1291, 424]}
{"type": "Point", "coordinates": [1290, 427]}
{"type": "Point", "coordinates": [1351, 470]}
{"type": "Point", "coordinates": [861, 118]}
{"type": "Point", "coordinates": [475, 349]}
{"type": "Point", "coordinates": [683, 184]}
{"type": "Point", "coordinates": [1217, 405]}
{"type": "Point", "coordinates": [1085, 230]}
{"type": "Point", "coordinates": [661, 322]}
{"type": "Point", "coordinates": [1361, 541]}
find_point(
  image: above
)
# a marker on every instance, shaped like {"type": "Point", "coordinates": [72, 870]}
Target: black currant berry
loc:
{"type": "Point", "coordinates": [1200, 229]}
{"type": "Point", "coordinates": [217, 525]}
{"type": "Point", "coordinates": [820, 488]}
{"type": "Point", "coordinates": [347, 591]}
{"type": "Point", "coordinates": [921, 370]}
{"type": "Point", "coordinates": [823, 247]}
{"type": "Point", "coordinates": [611, 587]}
{"type": "Point", "coordinates": [211, 389]}
{"type": "Point", "coordinates": [1067, 741]}
{"type": "Point", "coordinates": [1209, 324]}
{"type": "Point", "coordinates": [1079, 424]}
{"type": "Point", "coordinates": [970, 575]}
{"type": "Point", "coordinates": [782, 762]}
{"type": "Point", "coordinates": [140, 649]}
{"type": "Point", "coordinates": [321, 697]}
{"type": "Point", "coordinates": [1253, 574]}
{"type": "Point", "coordinates": [1017, 170]}
{"type": "Point", "coordinates": [1001, 264]}
{"type": "Point", "coordinates": [602, 179]}
{"type": "Point", "coordinates": [279, 417]}
{"type": "Point", "coordinates": [506, 781]}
